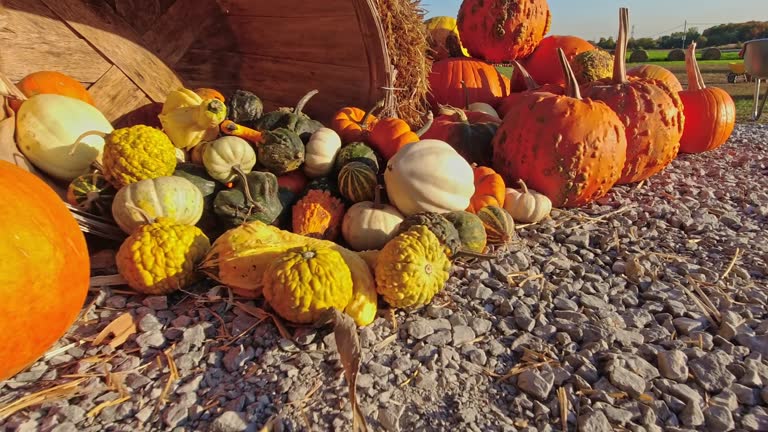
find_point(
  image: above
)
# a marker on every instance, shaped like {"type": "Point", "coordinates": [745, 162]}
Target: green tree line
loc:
{"type": "Point", "coordinates": [723, 34]}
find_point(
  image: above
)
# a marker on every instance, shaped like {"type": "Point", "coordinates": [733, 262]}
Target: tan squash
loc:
{"type": "Point", "coordinates": [526, 205]}
{"type": "Point", "coordinates": [370, 224]}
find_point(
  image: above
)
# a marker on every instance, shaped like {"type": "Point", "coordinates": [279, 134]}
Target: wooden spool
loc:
{"type": "Point", "coordinates": [131, 53]}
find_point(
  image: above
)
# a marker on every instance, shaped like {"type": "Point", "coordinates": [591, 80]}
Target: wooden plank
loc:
{"type": "Point", "coordinates": [281, 80]}
{"type": "Point", "coordinates": [372, 35]}
{"type": "Point", "coordinates": [34, 39]}
{"type": "Point", "coordinates": [334, 40]}
{"type": "Point", "coordinates": [115, 95]}
{"type": "Point", "coordinates": [179, 27]}
{"type": "Point", "coordinates": [287, 8]}
{"type": "Point", "coordinates": [108, 33]}
{"type": "Point", "coordinates": [139, 14]}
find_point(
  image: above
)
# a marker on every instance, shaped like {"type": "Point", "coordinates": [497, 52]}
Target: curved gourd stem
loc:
{"type": "Point", "coordinates": [571, 84]}
{"type": "Point", "coordinates": [228, 127]}
{"type": "Point", "coordinates": [530, 83]}
{"type": "Point", "coordinates": [85, 135]}
{"type": "Point", "coordinates": [427, 125]}
{"type": "Point", "coordinates": [364, 122]}
{"type": "Point", "coordinates": [620, 57]}
{"type": "Point", "coordinates": [377, 204]}
{"type": "Point", "coordinates": [695, 79]}
{"type": "Point", "coordinates": [303, 101]}
{"type": "Point", "coordinates": [246, 189]}
{"type": "Point", "coordinates": [143, 213]}
{"type": "Point", "coordinates": [523, 186]}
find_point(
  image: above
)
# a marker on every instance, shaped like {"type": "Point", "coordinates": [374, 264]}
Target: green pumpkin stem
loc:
{"type": "Point", "coordinates": [530, 83]}
{"type": "Point", "coordinates": [620, 57]}
{"type": "Point", "coordinates": [85, 135]}
{"type": "Point", "coordinates": [571, 84]}
{"type": "Point", "coordinates": [303, 101]}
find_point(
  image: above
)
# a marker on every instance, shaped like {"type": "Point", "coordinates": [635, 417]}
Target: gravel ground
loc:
{"type": "Point", "coordinates": [620, 308]}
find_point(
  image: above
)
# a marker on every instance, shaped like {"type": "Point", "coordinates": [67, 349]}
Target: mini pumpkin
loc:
{"type": "Point", "coordinates": [489, 189]}
{"type": "Point", "coordinates": [173, 197]}
{"type": "Point", "coordinates": [370, 224]}
{"type": "Point", "coordinates": [354, 124]}
{"type": "Point", "coordinates": [227, 157]}
{"type": "Point", "coordinates": [499, 225]}
{"type": "Point", "coordinates": [527, 206]}
{"type": "Point", "coordinates": [320, 152]}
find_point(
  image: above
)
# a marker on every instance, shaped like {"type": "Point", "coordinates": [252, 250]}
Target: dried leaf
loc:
{"type": "Point", "coordinates": [350, 352]}
{"type": "Point", "coordinates": [120, 328]}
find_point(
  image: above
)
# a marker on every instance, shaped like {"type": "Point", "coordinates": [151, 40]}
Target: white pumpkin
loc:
{"type": "Point", "coordinates": [321, 151]}
{"type": "Point", "coordinates": [370, 225]}
{"type": "Point", "coordinates": [171, 196]}
{"type": "Point", "coordinates": [429, 175]}
{"type": "Point", "coordinates": [48, 126]}
{"type": "Point", "coordinates": [527, 206]}
{"type": "Point", "coordinates": [483, 108]}
{"type": "Point", "coordinates": [223, 156]}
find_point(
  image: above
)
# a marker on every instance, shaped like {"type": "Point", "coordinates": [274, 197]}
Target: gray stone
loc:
{"type": "Point", "coordinates": [711, 371]}
{"type": "Point", "coordinates": [194, 336]}
{"type": "Point", "coordinates": [594, 421]}
{"type": "Point", "coordinates": [746, 395]}
{"type": "Point", "coordinates": [149, 322]}
{"type": "Point", "coordinates": [718, 419]}
{"type": "Point", "coordinates": [462, 334]}
{"type": "Point", "coordinates": [673, 365]}
{"type": "Point", "coordinates": [174, 415]}
{"type": "Point", "coordinates": [754, 422]}
{"type": "Point", "coordinates": [726, 398]}
{"type": "Point", "coordinates": [419, 329]}
{"type": "Point", "coordinates": [594, 302]}
{"type": "Point", "coordinates": [156, 302]}
{"type": "Point", "coordinates": [150, 339]}
{"type": "Point", "coordinates": [627, 381]}
{"type": "Point", "coordinates": [480, 325]}
{"type": "Point", "coordinates": [579, 239]}
{"type": "Point", "coordinates": [440, 338]}
{"type": "Point", "coordinates": [536, 383]}
{"type": "Point", "coordinates": [479, 292]}
{"type": "Point", "coordinates": [692, 415]}
{"type": "Point", "coordinates": [229, 421]}
{"type": "Point", "coordinates": [566, 304]}
{"type": "Point", "coordinates": [236, 357]}
{"type": "Point", "coordinates": [389, 419]}
{"type": "Point", "coordinates": [687, 325]}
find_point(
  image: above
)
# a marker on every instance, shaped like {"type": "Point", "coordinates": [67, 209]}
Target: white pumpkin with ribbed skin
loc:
{"type": "Point", "coordinates": [221, 156]}
{"type": "Point", "coordinates": [321, 151]}
{"type": "Point", "coordinates": [369, 225]}
{"type": "Point", "coordinates": [429, 175]}
{"type": "Point", "coordinates": [171, 196]}
{"type": "Point", "coordinates": [527, 205]}
{"type": "Point", "coordinates": [47, 127]}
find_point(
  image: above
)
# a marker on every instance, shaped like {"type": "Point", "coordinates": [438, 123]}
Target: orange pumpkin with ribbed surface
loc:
{"type": "Point", "coordinates": [51, 82]}
{"type": "Point", "coordinates": [570, 149]}
{"type": "Point", "coordinates": [507, 104]}
{"type": "Point", "coordinates": [652, 71]}
{"type": "Point", "coordinates": [710, 114]}
{"type": "Point", "coordinates": [651, 113]}
{"type": "Point", "coordinates": [543, 64]}
{"type": "Point", "coordinates": [390, 135]}
{"type": "Point", "coordinates": [484, 83]}
{"type": "Point", "coordinates": [353, 124]}
{"type": "Point", "coordinates": [503, 30]}
{"type": "Point", "coordinates": [44, 269]}
{"type": "Point", "coordinates": [489, 189]}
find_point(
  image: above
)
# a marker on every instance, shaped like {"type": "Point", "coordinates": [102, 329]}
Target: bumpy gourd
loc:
{"type": "Point", "coordinates": [188, 119]}
{"type": "Point", "coordinates": [136, 153]}
{"type": "Point", "coordinates": [440, 226]}
{"type": "Point", "coordinates": [292, 119]}
{"type": "Point", "coordinates": [160, 257]}
{"type": "Point", "coordinates": [411, 268]}
{"type": "Point", "coordinates": [305, 281]}
{"type": "Point", "coordinates": [319, 215]}
{"type": "Point", "coordinates": [255, 196]}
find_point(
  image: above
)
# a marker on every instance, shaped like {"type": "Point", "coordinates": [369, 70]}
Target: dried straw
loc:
{"type": "Point", "coordinates": [406, 41]}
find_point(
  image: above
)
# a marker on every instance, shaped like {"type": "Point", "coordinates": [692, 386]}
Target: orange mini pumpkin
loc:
{"type": "Point", "coordinates": [44, 269]}
{"type": "Point", "coordinates": [51, 82]}
{"type": "Point", "coordinates": [489, 189]}
{"type": "Point", "coordinates": [353, 124]}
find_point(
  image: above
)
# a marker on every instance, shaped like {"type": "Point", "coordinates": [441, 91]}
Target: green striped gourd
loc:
{"type": "Point", "coordinates": [357, 182]}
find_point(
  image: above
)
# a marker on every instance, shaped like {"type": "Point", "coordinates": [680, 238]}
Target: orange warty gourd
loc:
{"type": "Point", "coordinates": [542, 64]}
{"type": "Point", "coordinates": [507, 104]}
{"type": "Point", "coordinates": [710, 113]}
{"type": "Point", "coordinates": [44, 269]}
{"type": "Point", "coordinates": [568, 148]}
{"type": "Point", "coordinates": [46, 82]}
{"type": "Point", "coordinates": [652, 71]}
{"type": "Point", "coordinates": [489, 189]}
{"type": "Point", "coordinates": [484, 83]}
{"type": "Point", "coordinates": [651, 112]}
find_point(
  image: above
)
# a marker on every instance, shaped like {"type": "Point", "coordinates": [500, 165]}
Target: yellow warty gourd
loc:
{"type": "Point", "coordinates": [412, 268]}
{"type": "Point", "coordinates": [240, 257]}
{"type": "Point", "coordinates": [305, 281]}
{"type": "Point", "coordinates": [137, 153]}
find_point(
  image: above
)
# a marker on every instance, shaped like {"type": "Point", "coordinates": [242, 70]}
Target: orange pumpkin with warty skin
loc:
{"type": "Point", "coordinates": [710, 114]}
{"type": "Point", "coordinates": [44, 269]}
{"type": "Point", "coordinates": [651, 113]}
{"type": "Point", "coordinates": [570, 149]}
{"type": "Point", "coordinates": [489, 189]}
{"type": "Point", "coordinates": [542, 63]}
{"type": "Point", "coordinates": [51, 82]}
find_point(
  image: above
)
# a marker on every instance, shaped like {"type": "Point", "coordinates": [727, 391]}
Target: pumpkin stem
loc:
{"type": "Point", "coordinates": [246, 189]}
{"type": "Point", "coordinates": [303, 101]}
{"type": "Point", "coordinates": [450, 110]}
{"type": "Point", "coordinates": [524, 186]}
{"type": "Point", "coordinates": [143, 213]}
{"type": "Point", "coordinates": [228, 127]}
{"type": "Point", "coordinates": [571, 84]}
{"type": "Point", "coordinates": [530, 83]}
{"type": "Point", "coordinates": [377, 204]}
{"type": "Point", "coordinates": [466, 94]}
{"type": "Point", "coordinates": [620, 57]}
{"type": "Point", "coordinates": [695, 80]}
{"type": "Point", "coordinates": [369, 113]}
{"type": "Point", "coordinates": [85, 135]}
{"type": "Point", "coordinates": [427, 125]}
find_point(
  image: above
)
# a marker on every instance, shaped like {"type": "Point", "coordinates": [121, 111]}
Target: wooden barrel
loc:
{"type": "Point", "coordinates": [131, 53]}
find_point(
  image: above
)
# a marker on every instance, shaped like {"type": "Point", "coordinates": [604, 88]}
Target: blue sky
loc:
{"type": "Point", "coordinates": [650, 18]}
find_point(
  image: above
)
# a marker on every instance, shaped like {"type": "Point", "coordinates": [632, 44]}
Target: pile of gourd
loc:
{"type": "Point", "coordinates": [276, 204]}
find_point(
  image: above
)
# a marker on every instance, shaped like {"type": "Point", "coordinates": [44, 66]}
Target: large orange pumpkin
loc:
{"type": "Point", "coordinates": [652, 114]}
{"type": "Point", "coordinates": [710, 114]}
{"type": "Point", "coordinates": [568, 148]}
{"type": "Point", "coordinates": [44, 269]}
{"type": "Point", "coordinates": [652, 71]}
{"type": "Point", "coordinates": [483, 82]}
{"type": "Point", "coordinates": [46, 82]}
{"type": "Point", "coordinates": [530, 85]}
{"type": "Point", "coordinates": [543, 64]}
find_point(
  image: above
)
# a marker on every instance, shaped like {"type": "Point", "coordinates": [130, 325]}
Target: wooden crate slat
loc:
{"type": "Point", "coordinates": [180, 26]}
{"type": "Point", "coordinates": [287, 8]}
{"type": "Point", "coordinates": [116, 95]}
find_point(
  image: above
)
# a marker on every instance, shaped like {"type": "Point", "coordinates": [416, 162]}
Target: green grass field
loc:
{"type": "Point", "coordinates": [715, 74]}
